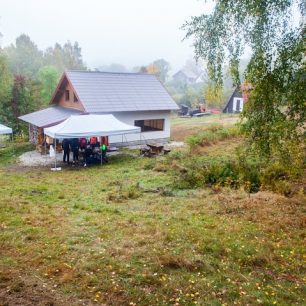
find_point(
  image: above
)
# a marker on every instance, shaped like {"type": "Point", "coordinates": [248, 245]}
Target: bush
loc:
{"type": "Point", "coordinates": [198, 174]}
{"type": "Point", "coordinates": [246, 171]}
{"type": "Point", "coordinates": [124, 193]}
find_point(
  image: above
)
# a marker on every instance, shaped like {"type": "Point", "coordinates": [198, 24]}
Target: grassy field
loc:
{"type": "Point", "coordinates": [122, 234]}
{"type": "Point", "coordinates": [183, 127]}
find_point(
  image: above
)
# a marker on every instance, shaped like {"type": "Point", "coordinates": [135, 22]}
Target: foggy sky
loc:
{"type": "Point", "coordinates": [130, 32]}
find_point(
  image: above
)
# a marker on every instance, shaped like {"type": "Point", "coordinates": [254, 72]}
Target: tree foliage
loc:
{"type": "Point", "coordinates": [159, 67]}
{"type": "Point", "coordinates": [163, 68]}
{"type": "Point", "coordinates": [213, 95]}
{"type": "Point", "coordinates": [68, 56]}
{"type": "Point", "coordinates": [275, 111]}
{"type": "Point", "coordinates": [28, 76]}
{"type": "Point", "coordinates": [24, 57]}
{"type": "Point", "coordinates": [48, 76]}
{"type": "Point", "coordinates": [6, 81]}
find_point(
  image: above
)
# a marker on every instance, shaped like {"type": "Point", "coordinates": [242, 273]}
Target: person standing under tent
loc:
{"type": "Point", "coordinates": [66, 148]}
{"type": "Point", "coordinates": [93, 142]}
{"type": "Point", "coordinates": [103, 149]}
{"type": "Point", "coordinates": [75, 149]}
{"type": "Point", "coordinates": [82, 143]}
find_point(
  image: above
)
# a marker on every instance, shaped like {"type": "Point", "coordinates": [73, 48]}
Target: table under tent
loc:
{"type": "Point", "coordinates": [85, 126]}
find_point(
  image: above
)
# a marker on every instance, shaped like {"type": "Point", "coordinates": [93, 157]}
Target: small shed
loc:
{"type": "Point", "coordinates": [235, 103]}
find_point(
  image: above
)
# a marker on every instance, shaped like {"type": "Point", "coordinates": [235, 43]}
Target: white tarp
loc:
{"type": "Point", "coordinates": [5, 130]}
{"type": "Point", "coordinates": [90, 125]}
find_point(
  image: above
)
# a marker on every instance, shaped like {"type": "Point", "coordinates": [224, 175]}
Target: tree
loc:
{"type": "Point", "coordinates": [163, 68]}
{"type": "Point", "coordinates": [143, 69]}
{"type": "Point", "coordinates": [64, 57]}
{"type": "Point", "coordinates": [213, 95]}
{"type": "Point", "coordinates": [18, 103]}
{"type": "Point", "coordinates": [24, 57]}
{"type": "Point", "coordinates": [152, 69]}
{"type": "Point", "coordinates": [275, 112]}
{"type": "Point", "coordinates": [48, 77]}
{"type": "Point", "coordinates": [6, 81]}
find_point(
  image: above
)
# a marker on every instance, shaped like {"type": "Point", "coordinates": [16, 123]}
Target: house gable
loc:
{"type": "Point", "coordinates": [66, 96]}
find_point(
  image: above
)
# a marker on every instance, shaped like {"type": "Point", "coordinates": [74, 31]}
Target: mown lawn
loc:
{"type": "Point", "coordinates": [121, 234]}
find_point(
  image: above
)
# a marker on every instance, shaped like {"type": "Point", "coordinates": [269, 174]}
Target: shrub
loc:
{"type": "Point", "coordinates": [124, 193]}
{"type": "Point", "coordinates": [247, 171]}
{"type": "Point", "coordinates": [199, 173]}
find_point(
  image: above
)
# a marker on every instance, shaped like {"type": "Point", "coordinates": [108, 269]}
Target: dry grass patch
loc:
{"type": "Point", "coordinates": [270, 210]}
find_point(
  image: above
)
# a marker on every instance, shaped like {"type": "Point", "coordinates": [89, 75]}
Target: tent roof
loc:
{"type": "Point", "coordinates": [49, 116]}
{"type": "Point", "coordinates": [90, 125]}
{"type": "Point", "coordinates": [5, 130]}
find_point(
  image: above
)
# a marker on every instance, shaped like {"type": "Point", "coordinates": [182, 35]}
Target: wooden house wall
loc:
{"type": "Point", "coordinates": [69, 104]}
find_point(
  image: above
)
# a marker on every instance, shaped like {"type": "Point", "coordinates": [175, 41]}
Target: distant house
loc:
{"type": "Point", "coordinates": [235, 103]}
{"type": "Point", "coordinates": [187, 76]}
{"type": "Point", "coordinates": [133, 98]}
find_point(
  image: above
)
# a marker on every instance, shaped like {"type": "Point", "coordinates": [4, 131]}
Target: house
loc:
{"type": "Point", "coordinates": [133, 98]}
{"type": "Point", "coordinates": [235, 102]}
{"type": "Point", "coordinates": [187, 76]}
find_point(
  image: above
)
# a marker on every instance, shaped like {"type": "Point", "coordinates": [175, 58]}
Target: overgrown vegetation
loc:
{"type": "Point", "coordinates": [193, 168]}
{"type": "Point", "coordinates": [275, 81]}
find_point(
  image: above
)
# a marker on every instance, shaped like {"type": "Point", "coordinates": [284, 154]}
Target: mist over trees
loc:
{"type": "Point", "coordinates": [28, 76]}
{"type": "Point", "coordinates": [114, 67]}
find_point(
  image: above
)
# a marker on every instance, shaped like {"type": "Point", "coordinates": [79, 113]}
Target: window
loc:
{"type": "Point", "coordinates": [67, 95]}
{"type": "Point", "coordinates": [150, 125]}
{"type": "Point", "coordinates": [75, 98]}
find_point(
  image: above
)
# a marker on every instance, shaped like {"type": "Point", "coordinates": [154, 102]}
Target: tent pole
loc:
{"type": "Point", "coordinates": [12, 141]}
{"type": "Point", "coordinates": [55, 152]}
{"type": "Point", "coordinates": [45, 144]}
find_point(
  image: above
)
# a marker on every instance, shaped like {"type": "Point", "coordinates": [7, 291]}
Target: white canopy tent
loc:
{"type": "Point", "coordinates": [80, 126]}
{"type": "Point", "coordinates": [90, 125]}
{"type": "Point", "coordinates": [5, 130]}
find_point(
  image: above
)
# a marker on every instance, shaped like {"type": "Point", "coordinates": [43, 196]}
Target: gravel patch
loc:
{"type": "Point", "coordinates": [34, 158]}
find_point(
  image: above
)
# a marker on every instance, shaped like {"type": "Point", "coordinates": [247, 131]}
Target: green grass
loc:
{"type": "Point", "coordinates": [11, 151]}
{"type": "Point", "coordinates": [121, 234]}
{"type": "Point", "coordinates": [205, 120]}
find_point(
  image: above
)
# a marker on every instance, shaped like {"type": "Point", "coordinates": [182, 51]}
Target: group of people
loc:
{"type": "Point", "coordinates": [89, 149]}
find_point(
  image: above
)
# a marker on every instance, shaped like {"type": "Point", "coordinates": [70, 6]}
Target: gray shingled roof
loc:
{"type": "Point", "coordinates": [118, 92]}
{"type": "Point", "coordinates": [49, 116]}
